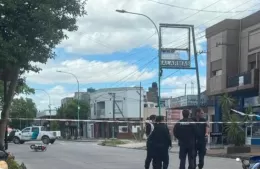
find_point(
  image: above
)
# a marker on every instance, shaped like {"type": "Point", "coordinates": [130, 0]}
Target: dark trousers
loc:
{"type": "Point", "coordinates": [184, 151]}
{"type": "Point", "coordinates": [201, 152]}
{"type": "Point", "coordinates": [149, 158]}
{"type": "Point", "coordinates": [161, 159]}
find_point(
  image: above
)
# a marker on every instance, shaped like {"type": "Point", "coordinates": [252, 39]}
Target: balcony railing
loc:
{"type": "Point", "coordinates": [233, 81]}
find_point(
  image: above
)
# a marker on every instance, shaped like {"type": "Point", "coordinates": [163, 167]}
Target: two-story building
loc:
{"type": "Point", "coordinates": [233, 61]}
{"type": "Point", "coordinates": [121, 104]}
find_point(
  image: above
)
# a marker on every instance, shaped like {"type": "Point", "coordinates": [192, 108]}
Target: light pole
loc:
{"type": "Point", "coordinates": [78, 94]}
{"type": "Point", "coordinates": [49, 103]}
{"type": "Point", "coordinates": [49, 99]}
{"type": "Point", "coordinates": [159, 56]}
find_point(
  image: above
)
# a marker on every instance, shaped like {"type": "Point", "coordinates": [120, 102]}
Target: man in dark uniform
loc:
{"type": "Point", "coordinates": [161, 142]}
{"type": "Point", "coordinates": [202, 129]}
{"type": "Point", "coordinates": [149, 126]}
{"type": "Point", "coordinates": [185, 132]}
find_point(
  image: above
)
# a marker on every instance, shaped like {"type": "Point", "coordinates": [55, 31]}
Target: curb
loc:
{"type": "Point", "coordinates": [80, 140]}
{"type": "Point", "coordinates": [175, 152]}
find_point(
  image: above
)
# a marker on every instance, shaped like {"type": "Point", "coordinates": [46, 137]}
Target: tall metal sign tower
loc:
{"type": "Point", "coordinates": [178, 56]}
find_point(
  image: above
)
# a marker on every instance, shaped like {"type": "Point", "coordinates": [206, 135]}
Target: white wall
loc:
{"type": "Point", "coordinates": [216, 52]}
{"type": "Point", "coordinates": [130, 102]}
{"type": "Point", "coordinates": [247, 39]}
{"type": "Point", "coordinates": [148, 111]}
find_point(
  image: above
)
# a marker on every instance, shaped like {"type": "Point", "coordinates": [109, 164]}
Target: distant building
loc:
{"type": "Point", "coordinates": [46, 114]}
{"type": "Point", "coordinates": [66, 100]}
{"type": "Point", "coordinates": [152, 94]}
{"type": "Point", "coordinates": [127, 107]}
{"type": "Point", "coordinates": [150, 108]}
{"type": "Point", "coordinates": [83, 96]}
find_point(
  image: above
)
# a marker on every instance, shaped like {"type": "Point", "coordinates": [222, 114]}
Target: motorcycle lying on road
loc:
{"type": "Point", "coordinates": [251, 163]}
{"type": "Point", "coordinates": [38, 147]}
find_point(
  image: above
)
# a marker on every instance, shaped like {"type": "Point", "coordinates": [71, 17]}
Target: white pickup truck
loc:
{"type": "Point", "coordinates": [34, 133]}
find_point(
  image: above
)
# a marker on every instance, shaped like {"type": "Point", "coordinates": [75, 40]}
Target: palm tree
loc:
{"type": "Point", "coordinates": [226, 103]}
{"type": "Point", "coordinates": [233, 128]}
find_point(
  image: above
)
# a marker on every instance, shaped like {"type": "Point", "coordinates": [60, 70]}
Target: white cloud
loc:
{"type": "Point", "coordinates": [88, 72]}
{"type": "Point", "coordinates": [41, 99]}
{"type": "Point", "coordinates": [177, 83]}
{"type": "Point", "coordinates": [104, 31]}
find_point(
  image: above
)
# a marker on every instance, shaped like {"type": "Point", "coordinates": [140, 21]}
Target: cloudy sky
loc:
{"type": "Point", "coordinates": [111, 49]}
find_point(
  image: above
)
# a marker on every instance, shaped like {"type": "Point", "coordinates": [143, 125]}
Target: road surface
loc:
{"type": "Point", "coordinates": [67, 155]}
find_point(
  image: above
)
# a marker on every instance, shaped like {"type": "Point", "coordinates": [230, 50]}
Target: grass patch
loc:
{"type": "Point", "coordinates": [112, 142]}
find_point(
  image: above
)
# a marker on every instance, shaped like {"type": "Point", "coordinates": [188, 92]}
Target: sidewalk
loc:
{"type": "Point", "coordinates": [81, 140]}
{"type": "Point", "coordinates": [255, 150]}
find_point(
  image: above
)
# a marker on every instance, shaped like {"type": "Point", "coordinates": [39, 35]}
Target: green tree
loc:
{"type": "Point", "coordinates": [22, 108]}
{"type": "Point", "coordinates": [235, 126]}
{"type": "Point", "coordinates": [69, 111]}
{"type": "Point", "coordinates": [29, 32]}
{"type": "Point", "coordinates": [21, 88]}
{"type": "Point", "coordinates": [54, 126]}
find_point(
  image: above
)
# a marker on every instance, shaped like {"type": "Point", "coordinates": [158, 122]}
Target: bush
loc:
{"type": "Point", "coordinates": [112, 142]}
{"type": "Point", "coordinates": [12, 164]}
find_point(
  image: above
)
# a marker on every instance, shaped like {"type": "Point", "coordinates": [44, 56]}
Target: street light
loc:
{"type": "Point", "coordinates": [49, 99]}
{"type": "Point", "coordinates": [159, 57]}
{"type": "Point", "coordinates": [78, 94]}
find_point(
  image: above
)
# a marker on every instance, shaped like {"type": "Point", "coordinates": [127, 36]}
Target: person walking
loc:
{"type": "Point", "coordinates": [203, 129]}
{"type": "Point", "coordinates": [149, 127]}
{"type": "Point", "coordinates": [160, 143]}
{"type": "Point", "coordinates": [185, 131]}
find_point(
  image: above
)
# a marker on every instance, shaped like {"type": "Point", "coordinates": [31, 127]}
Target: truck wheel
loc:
{"type": "Point", "coordinates": [16, 140]}
{"type": "Point", "coordinates": [45, 140]}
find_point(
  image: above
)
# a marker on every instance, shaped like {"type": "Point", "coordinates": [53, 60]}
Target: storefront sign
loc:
{"type": "Point", "coordinates": [189, 100]}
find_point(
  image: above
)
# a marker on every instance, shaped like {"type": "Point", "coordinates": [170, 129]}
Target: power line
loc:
{"type": "Point", "coordinates": [193, 9]}
{"type": "Point", "coordinates": [210, 21]}
{"type": "Point", "coordinates": [140, 74]}
{"type": "Point", "coordinates": [131, 74]}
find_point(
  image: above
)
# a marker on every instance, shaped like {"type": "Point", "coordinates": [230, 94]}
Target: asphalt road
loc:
{"type": "Point", "coordinates": [67, 155]}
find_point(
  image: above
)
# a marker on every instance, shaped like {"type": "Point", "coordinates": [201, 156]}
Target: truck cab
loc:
{"type": "Point", "coordinates": [34, 133]}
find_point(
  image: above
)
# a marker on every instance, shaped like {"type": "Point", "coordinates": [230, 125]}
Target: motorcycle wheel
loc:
{"type": "Point", "coordinates": [32, 146]}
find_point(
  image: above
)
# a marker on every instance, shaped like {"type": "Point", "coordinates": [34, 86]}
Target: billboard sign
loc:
{"type": "Point", "coordinates": [171, 59]}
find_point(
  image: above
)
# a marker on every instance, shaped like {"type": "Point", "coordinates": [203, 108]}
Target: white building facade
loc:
{"type": "Point", "coordinates": [127, 103]}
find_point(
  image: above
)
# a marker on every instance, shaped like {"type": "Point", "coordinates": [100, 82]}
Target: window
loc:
{"type": "Point", "coordinates": [217, 72]}
{"type": "Point", "coordinates": [35, 129]}
{"type": "Point", "coordinates": [26, 130]}
{"type": "Point", "coordinates": [252, 65]}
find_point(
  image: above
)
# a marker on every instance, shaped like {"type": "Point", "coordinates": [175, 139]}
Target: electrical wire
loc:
{"type": "Point", "coordinates": [193, 9]}
{"type": "Point", "coordinates": [247, 1]}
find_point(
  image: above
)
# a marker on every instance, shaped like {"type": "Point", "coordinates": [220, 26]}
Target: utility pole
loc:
{"type": "Point", "coordinates": [140, 109]}
{"type": "Point", "coordinates": [185, 89]}
{"type": "Point", "coordinates": [196, 64]}
{"type": "Point", "coordinates": [114, 102]}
